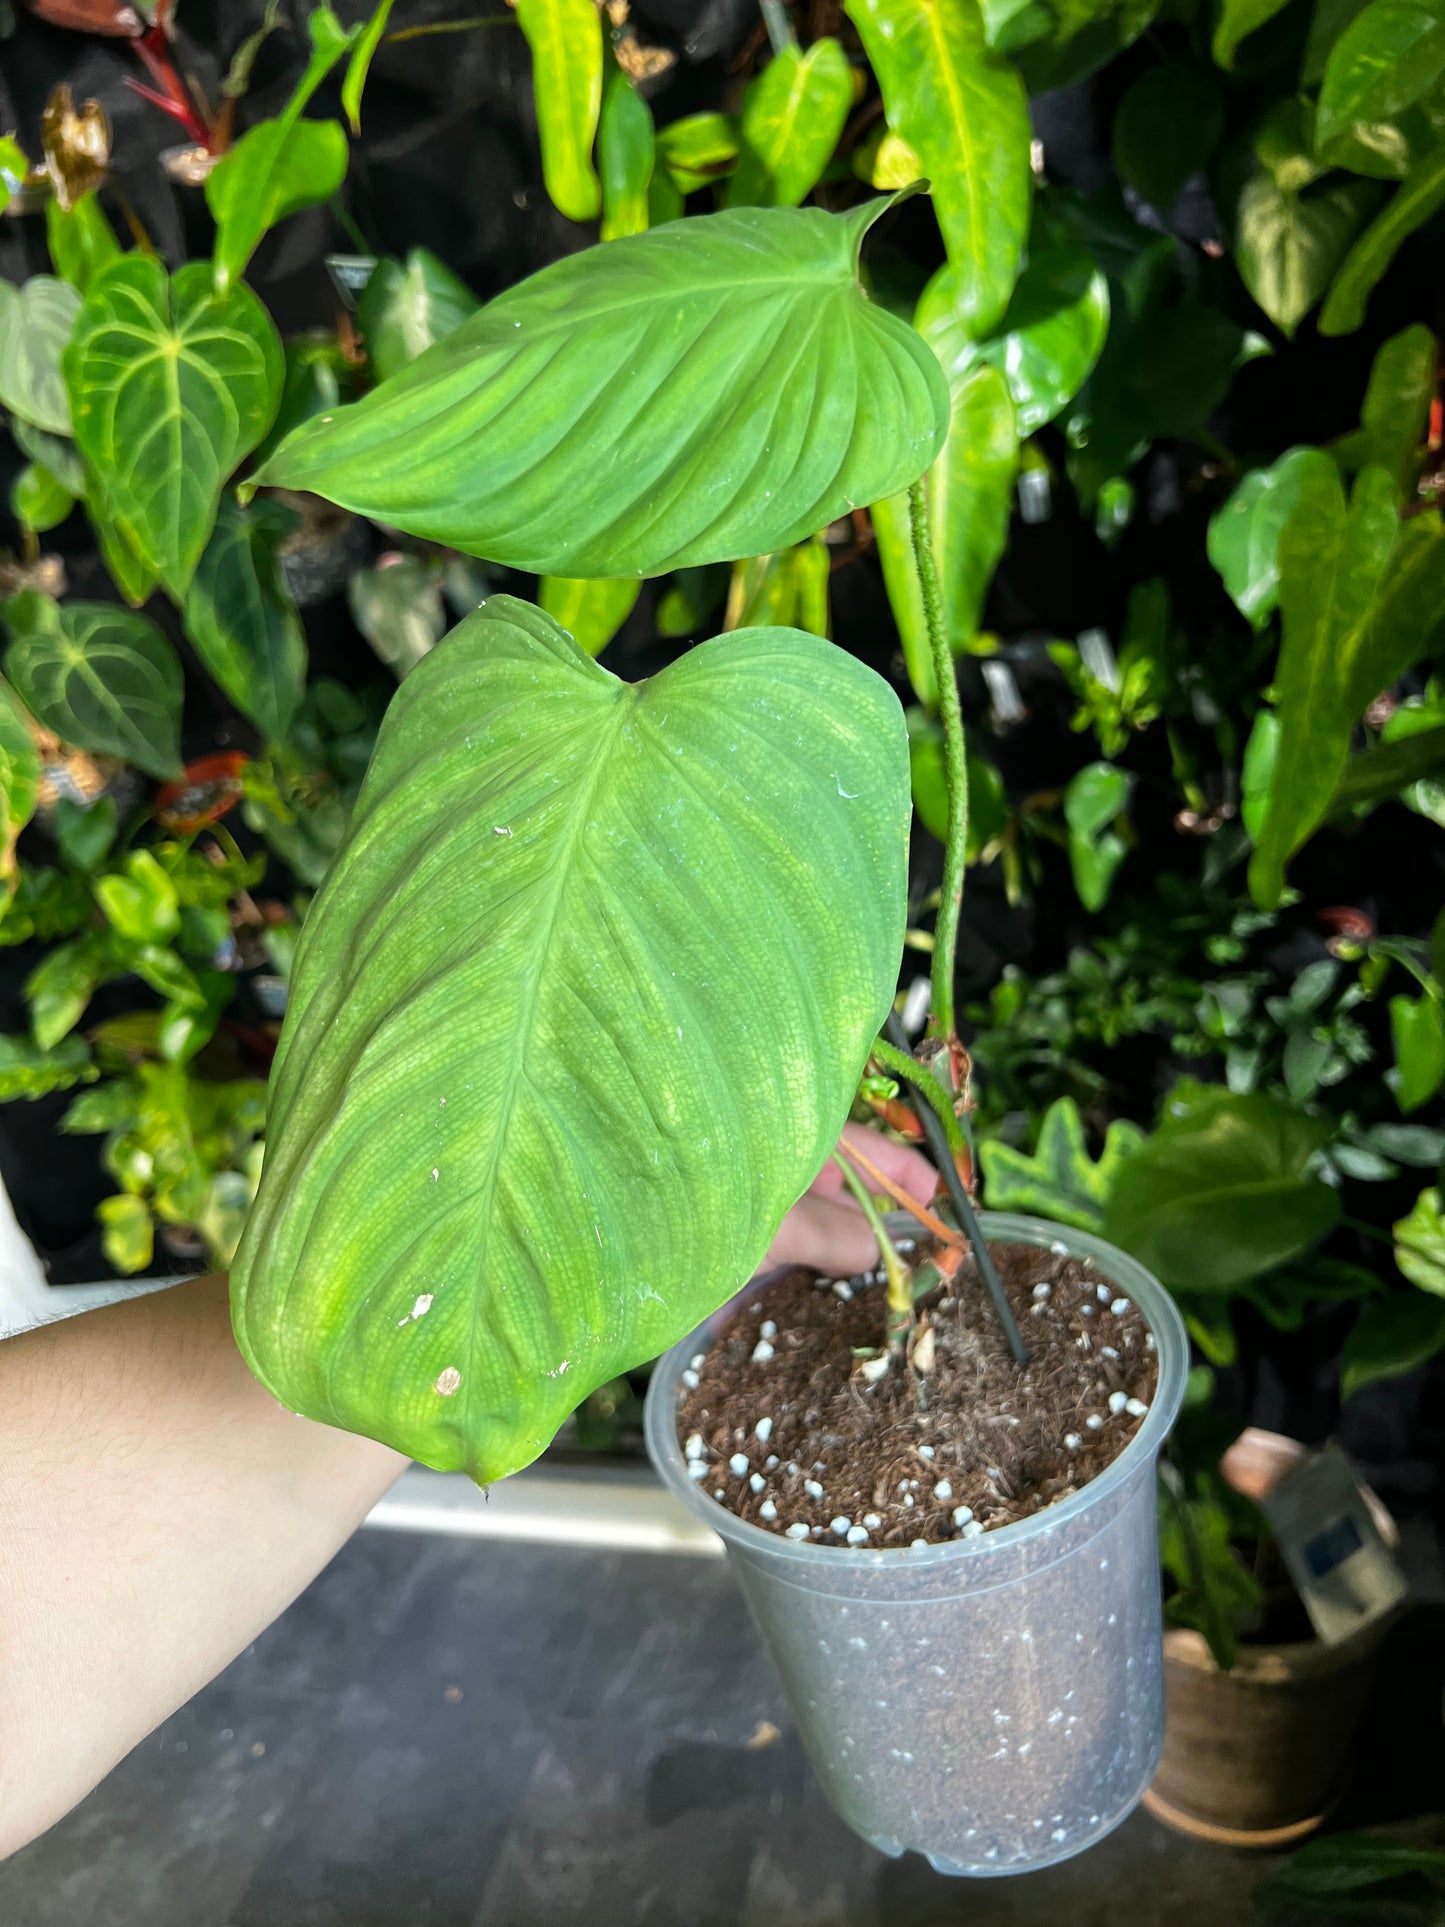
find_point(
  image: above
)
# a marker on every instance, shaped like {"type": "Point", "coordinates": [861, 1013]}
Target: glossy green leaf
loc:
{"type": "Point", "coordinates": [626, 155]}
{"type": "Point", "coordinates": [81, 240]}
{"type": "Point", "coordinates": [590, 611]}
{"type": "Point", "coordinates": [531, 1118]}
{"type": "Point", "coordinates": [1244, 535]}
{"type": "Point", "coordinates": [962, 109]}
{"type": "Point", "coordinates": [698, 150]}
{"type": "Point", "coordinates": [1096, 796]}
{"type": "Point", "coordinates": [1420, 1243]}
{"type": "Point", "coordinates": [1396, 410]}
{"type": "Point", "coordinates": [1234, 21]}
{"type": "Point", "coordinates": [566, 41]}
{"type": "Point", "coordinates": [1059, 1180]}
{"type": "Point", "coordinates": [38, 501]}
{"type": "Point", "coordinates": [1288, 245]}
{"type": "Point", "coordinates": [557, 431]}
{"type": "Point", "coordinates": [792, 117]}
{"type": "Point", "coordinates": [1392, 1335]}
{"type": "Point", "coordinates": [19, 787]}
{"type": "Point", "coordinates": [134, 578]}
{"type": "Point", "coordinates": [1166, 127]}
{"type": "Point", "coordinates": [353, 84]}
{"type": "Point", "coordinates": [170, 384]}
{"type": "Point", "coordinates": [36, 321]}
{"type": "Point", "coordinates": [398, 607]}
{"type": "Point", "coordinates": [1386, 58]}
{"type": "Point", "coordinates": [1409, 207]}
{"type": "Point", "coordinates": [1223, 1193]}
{"type": "Point", "coordinates": [26, 1070]}
{"type": "Point", "coordinates": [241, 619]}
{"type": "Point", "coordinates": [1418, 1027]}
{"type": "Point", "coordinates": [1360, 596]}
{"type": "Point", "coordinates": [102, 678]}
{"type": "Point", "coordinates": [407, 307]}
{"type": "Point", "coordinates": [279, 166]}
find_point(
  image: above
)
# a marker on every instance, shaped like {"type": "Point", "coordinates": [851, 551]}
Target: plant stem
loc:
{"type": "Point", "coordinates": [449, 26]}
{"type": "Point", "coordinates": [906, 1066]}
{"type": "Point", "coordinates": [940, 1144]}
{"type": "Point", "coordinates": [779, 26]}
{"type": "Point", "coordinates": [955, 762]}
{"type": "Point", "coordinates": [945, 1233]}
{"type": "Point", "coordinates": [900, 1287]}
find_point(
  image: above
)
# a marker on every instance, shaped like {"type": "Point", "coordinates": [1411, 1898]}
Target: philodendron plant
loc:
{"type": "Point", "coordinates": [582, 1007]}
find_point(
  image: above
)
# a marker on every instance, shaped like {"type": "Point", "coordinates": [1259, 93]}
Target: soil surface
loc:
{"type": "Point", "coordinates": [791, 1422]}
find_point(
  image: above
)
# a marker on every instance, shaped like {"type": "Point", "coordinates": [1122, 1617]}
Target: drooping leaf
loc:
{"type": "Point", "coordinates": [1095, 798]}
{"type": "Point", "coordinates": [1418, 1027]}
{"type": "Point", "coordinates": [962, 109]}
{"type": "Point", "coordinates": [1223, 1193]}
{"type": "Point", "coordinates": [170, 384]}
{"type": "Point", "coordinates": [1408, 208]}
{"type": "Point", "coordinates": [26, 1070]}
{"type": "Point", "coordinates": [397, 606]}
{"type": "Point", "coordinates": [1420, 1243]}
{"type": "Point", "coordinates": [590, 611]}
{"type": "Point", "coordinates": [791, 120]}
{"type": "Point", "coordinates": [36, 321]}
{"type": "Point", "coordinates": [698, 150]}
{"type": "Point", "coordinates": [38, 501]}
{"type": "Point", "coordinates": [81, 240]}
{"type": "Point", "coordinates": [279, 166]}
{"type": "Point", "coordinates": [241, 619]}
{"type": "Point", "coordinates": [19, 787]}
{"type": "Point", "coordinates": [353, 84]}
{"type": "Point", "coordinates": [1243, 538]}
{"type": "Point", "coordinates": [626, 155]}
{"type": "Point", "coordinates": [801, 399]}
{"type": "Point", "coordinates": [1166, 127]}
{"type": "Point", "coordinates": [407, 307]}
{"type": "Point", "coordinates": [530, 1118]}
{"type": "Point", "coordinates": [1387, 57]}
{"type": "Point", "coordinates": [1360, 596]}
{"type": "Point", "coordinates": [566, 41]}
{"type": "Point", "coordinates": [1059, 1181]}
{"type": "Point", "coordinates": [1235, 21]}
{"type": "Point", "coordinates": [102, 678]}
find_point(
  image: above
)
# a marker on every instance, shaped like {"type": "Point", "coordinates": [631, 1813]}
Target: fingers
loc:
{"type": "Point", "coordinates": [829, 1236]}
{"type": "Point", "coordinates": [900, 1162]}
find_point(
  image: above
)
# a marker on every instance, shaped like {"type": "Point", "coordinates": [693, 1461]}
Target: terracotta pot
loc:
{"type": "Point", "coordinates": [1258, 1756]}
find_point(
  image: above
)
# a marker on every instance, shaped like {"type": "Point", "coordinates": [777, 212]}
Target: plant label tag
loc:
{"type": "Point", "coordinates": [1346, 1575]}
{"type": "Point", "coordinates": [349, 275]}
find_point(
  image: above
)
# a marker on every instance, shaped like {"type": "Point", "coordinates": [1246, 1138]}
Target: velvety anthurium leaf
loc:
{"type": "Point", "coordinates": [714, 388]}
{"type": "Point", "coordinates": [102, 678]}
{"type": "Point", "coordinates": [1060, 1180]}
{"type": "Point", "coordinates": [571, 1024]}
{"type": "Point", "coordinates": [241, 619]}
{"type": "Point", "coordinates": [170, 385]}
{"type": "Point", "coordinates": [36, 320]}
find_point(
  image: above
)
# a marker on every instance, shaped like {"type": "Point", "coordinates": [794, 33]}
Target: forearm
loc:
{"type": "Point", "coordinates": [157, 1510]}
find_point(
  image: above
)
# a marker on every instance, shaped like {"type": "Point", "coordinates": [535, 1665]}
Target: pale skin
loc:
{"type": "Point", "coordinates": [158, 1509]}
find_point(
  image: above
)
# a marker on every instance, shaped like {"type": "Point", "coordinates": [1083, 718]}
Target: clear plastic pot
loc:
{"type": "Point", "coordinates": [995, 1703]}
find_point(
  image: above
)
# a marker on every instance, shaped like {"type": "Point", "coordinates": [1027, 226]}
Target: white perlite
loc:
{"type": "Point", "coordinates": [1136, 1408]}
{"type": "Point", "coordinates": [1120, 1306]}
{"type": "Point", "coordinates": [962, 1514]}
{"type": "Point", "coordinates": [840, 1525]}
{"type": "Point", "coordinates": [763, 1430]}
{"type": "Point", "coordinates": [1072, 1441]}
{"type": "Point", "coordinates": [812, 1488]}
{"type": "Point", "coordinates": [694, 1447]}
{"type": "Point", "coordinates": [767, 1329]}
{"type": "Point", "coordinates": [1095, 1422]}
{"type": "Point", "coordinates": [857, 1535]}
{"type": "Point", "coordinates": [738, 1465]}
{"type": "Point", "coordinates": [943, 1490]}
{"type": "Point", "coordinates": [757, 1481]}
{"type": "Point", "coordinates": [762, 1352]}
{"type": "Point", "coordinates": [1117, 1402]}
{"type": "Point", "coordinates": [767, 1510]}
{"type": "Point", "coordinates": [797, 1531]}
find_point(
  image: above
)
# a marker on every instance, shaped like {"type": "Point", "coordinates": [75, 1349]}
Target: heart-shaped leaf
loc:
{"type": "Point", "coordinates": [791, 120]}
{"type": "Point", "coordinates": [566, 41]}
{"type": "Point", "coordinates": [407, 307]}
{"type": "Point", "coordinates": [102, 678]}
{"type": "Point", "coordinates": [242, 620]}
{"type": "Point", "coordinates": [1288, 245]}
{"type": "Point", "coordinates": [716, 388]}
{"type": "Point", "coordinates": [574, 1020]}
{"type": "Point", "coordinates": [35, 324]}
{"type": "Point", "coordinates": [170, 385]}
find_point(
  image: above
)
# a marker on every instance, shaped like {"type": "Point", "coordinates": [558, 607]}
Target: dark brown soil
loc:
{"type": "Point", "coordinates": [787, 1422]}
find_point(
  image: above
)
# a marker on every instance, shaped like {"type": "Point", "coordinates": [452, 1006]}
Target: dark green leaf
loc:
{"type": "Point", "coordinates": [36, 322]}
{"type": "Point", "coordinates": [1346, 1863]}
{"type": "Point", "coordinates": [962, 109]}
{"type": "Point", "coordinates": [28, 1071]}
{"type": "Point", "coordinates": [1409, 207]}
{"type": "Point", "coordinates": [1393, 1334]}
{"type": "Point", "coordinates": [38, 501]}
{"type": "Point", "coordinates": [626, 155]}
{"type": "Point", "coordinates": [406, 309]}
{"type": "Point", "coordinates": [590, 611]}
{"type": "Point", "coordinates": [1244, 534]}
{"type": "Point", "coordinates": [800, 400]}
{"type": "Point", "coordinates": [791, 119]}
{"type": "Point", "coordinates": [81, 240]}
{"type": "Point", "coordinates": [1388, 770]}
{"type": "Point", "coordinates": [693, 596]}
{"type": "Point", "coordinates": [1235, 21]}
{"type": "Point", "coordinates": [1386, 58]}
{"type": "Point", "coordinates": [1060, 1181]}
{"type": "Point", "coordinates": [1396, 409]}
{"type": "Point", "coordinates": [353, 84]}
{"type": "Point", "coordinates": [241, 619]}
{"type": "Point", "coordinates": [316, 374]}
{"type": "Point", "coordinates": [542, 1119]}
{"type": "Point", "coordinates": [566, 41]}
{"type": "Point", "coordinates": [1223, 1193]}
{"type": "Point", "coordinates": [102, 678]}
{"type": "Point", "coordinates": [1166, 127]}
{"type": "Point", "coordinates": [1212, 1585]}
{"type": "Point", "coordinates": [171, 384]}
{"type": "Point", "coordinates": [19, 787]}
{"type": "Point", "coordinates": [85, 833]}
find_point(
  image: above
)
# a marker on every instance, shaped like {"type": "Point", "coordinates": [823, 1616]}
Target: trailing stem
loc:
{"type": "Point", "coordinates": [955, 762]}
{"type": "Point", "coordinates": [900, 1281]}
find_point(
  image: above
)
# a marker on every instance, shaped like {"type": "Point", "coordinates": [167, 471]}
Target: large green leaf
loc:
{"type": "Point", "coordinates": [1361, 596]}
{"type": "Point", "coordinates": [570, 1025]}
{"type": "Point", "coordinates": [36, 321]}
{"type": "Point", "coordinates": [408, 307]}
{"type": "Point", "coordinates": [566, 41]}
{"type": "Point", "coordinates": [102, 678]}
{"type": "Point", "coordinates": [170, 385]}
{"type": "Point", "coordinates": [1223, 1192]}
{"type": "Point", "coordinates": [279, 166]}
{"type": "Point", "coordinates": [717, 387]}
{"type": "Point", "coordinates": [1386, 58]}
{"type": "Point", "coordinates": [1416, 199]}
{"type": "Point", "coordinates": [241, 619]}
{"type": "Point", "coordinates": [791, 120]}
{"type": "Point", "coordinates": [591, 611]}
{"type": "Point", "coordinates": [626, 155]}
{"type": "Point", "coordinates": [962, 109]}
{"type": "Point", "coordinates": [19, 787]}
{"type": "Point", "coordinates": [1059, 1180]}
{"type": "Point", "coordinates": [1244, 535]}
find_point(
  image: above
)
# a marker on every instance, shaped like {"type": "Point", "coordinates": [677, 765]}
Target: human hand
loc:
{"type": "Point", "coordinates": [825, 1228]}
